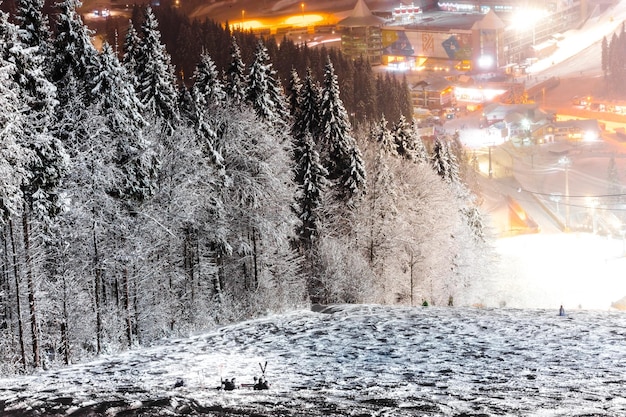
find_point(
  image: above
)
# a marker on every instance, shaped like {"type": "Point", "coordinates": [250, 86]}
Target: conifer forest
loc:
{"type": "Point", "coordinates": [147, 194]}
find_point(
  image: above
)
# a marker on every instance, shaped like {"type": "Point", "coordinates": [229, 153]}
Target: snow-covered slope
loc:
{"type": "Point", "coordinates": [357, 361]}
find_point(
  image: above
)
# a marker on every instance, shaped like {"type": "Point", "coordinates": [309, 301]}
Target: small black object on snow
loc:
{"type": "Point", "coordinates": [229, 384]}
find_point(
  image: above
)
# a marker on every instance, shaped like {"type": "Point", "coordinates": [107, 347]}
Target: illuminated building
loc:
{"type": "Point", "coordinates": [463, 35]}
{"type": "Point", "coordinates": [361, 34]}
{"type": "Point", "coordinates": [446, 42]}
{"type": "Point", "coordinates": [432, 93]}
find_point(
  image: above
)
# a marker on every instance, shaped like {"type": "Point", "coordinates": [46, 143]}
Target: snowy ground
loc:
{"type": "Point", "coordinates": [357, 361]}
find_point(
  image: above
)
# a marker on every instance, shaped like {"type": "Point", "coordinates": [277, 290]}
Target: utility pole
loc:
{"type": "Point", "coordinates": [566, 162]}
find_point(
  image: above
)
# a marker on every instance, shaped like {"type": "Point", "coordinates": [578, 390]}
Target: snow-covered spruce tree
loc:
{"type": "Point", "coordinates": [264, 92]}
{"type": "Point", "coordinates": [208, 91]}
{"type": "Point", "coordinates": [311, 179]}
{"type": "Point", "coordinates": [47, 167]}
{"type": "Point", "coordinates": [444, 162]}
{"type": "Point", "coordinates": [115, 98]}
{"type": "Point", "coordinates": [236, 80]}
{"type": "Point", "coordinates": [207, 95]}
{"type": "Point", "coordinates": [409, 144]}
{"type": "Point", "coordinates": [156, 83]}
{"type": "Point", "coordinates": [381, 134]}
{"type": "Point", "coordinates": [402, 134]}
{"type": "Point", "coordinates": [340, 151]}
{"type": "Point", "coordinates": [14, 161]}
{"type": "Point", "coordinates": [332, 280]}
{"type": "Point", "coordinates": [294, 89]}
{"type": "Point", "coordinates": [34, 28]}
{"type": "Point", "coordinates": [134, 173]}
{"type": "Point", "coordinates": [131, 48]}
{"type": "Point", "coordinates": [186, 105]}
{"type": "Point", "coordinates": [307, 117]}
{"type": "Point", "coordinates": [474, 253]}
{"type": "Point", "coordinates": [73, 50]}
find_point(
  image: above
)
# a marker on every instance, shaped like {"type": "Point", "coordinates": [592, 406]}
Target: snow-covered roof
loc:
{"type": "Point", "coordinates": [361, 16]}
{"type": "Point", "coordinates": [582, 124]}
{"type": "Point", "coordinates": [431, 84]}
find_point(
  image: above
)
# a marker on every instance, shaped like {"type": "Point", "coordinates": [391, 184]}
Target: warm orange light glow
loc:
{"type": "Point", "coordinates": [304, 20]}
{"type": "Point", "coordinates": [247, 25]}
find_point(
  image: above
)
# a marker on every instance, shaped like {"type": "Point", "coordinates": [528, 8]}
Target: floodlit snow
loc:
{"type": "Point", "coordinates": [594, 29]}
{"type": "Point", "coordinates": [358, 361]}
{"type": "Point", "coordinates": [547, 270]}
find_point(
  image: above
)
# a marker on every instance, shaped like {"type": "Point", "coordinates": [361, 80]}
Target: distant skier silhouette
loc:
{"type": "Point", "coordinates": [562, 311]}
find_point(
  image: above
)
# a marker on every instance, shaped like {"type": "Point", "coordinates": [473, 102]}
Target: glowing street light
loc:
{"type": "Point", "coordinates": [302, 8]}
{"type": "Point", "coordinates": [243, 13]}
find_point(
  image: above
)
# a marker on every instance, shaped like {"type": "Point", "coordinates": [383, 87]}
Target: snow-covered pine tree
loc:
{"type": "Point", "coordinates": [115, 99]}
{"type": "Point", "coordinates": [208, 91]}
{"type": "Point", "coordinates": [236, 80]}
{"type": "Point", "coordinates": [345, 164]}
{"type": "Point", "coordinates": [310, 177]}
{"type": "Point", "coordinates": [444, 162]}
{"type": "Point", "coordinates": [208, 95]}
{"type": "Point", "coordinates": [14, 161]}
{"type": "Point", "coordinates": [383, 136]}
{"type": "Point", "coordinates": [156, 83]}
{"type": "Point", "coordinates": [307, 117]}
{"type": "Point", "coordinates": [264, 92]}
{"type": "Point", "coordinates": [73, 50]}
{"type": "Point", "coordinates": [295, 110]}
{"type": "Point", "coordinates": [186, 105]}
{"type": "Point", "coordinates": [115, 96]}
{"type": "Point", "coordinates": [294, 88]}
{"type": "Point", "coordinates": [46, 168]}
{"type": "Point", "coordinates": [417, 145]}
{"type": "Point", "coordinates": [403, 135]}
{"type": "Point", "coordinates": [131, 47]}
{"type": "Point", "coordinates": [474, 221]}
{"type": "Point", "coordinates": [34, 28]}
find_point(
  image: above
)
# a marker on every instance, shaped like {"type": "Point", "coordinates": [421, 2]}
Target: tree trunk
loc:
{"type": "Point", "coordinates": [218, 279]}
{"type": "Point", "coordinates": [255, 258]}
{"type": "Point", "coordinates": [65, 339]}
{"type": "Point", "coordinates": [127, 309]}
{"type": "Point", "coordinates": [20, 324]}
{"type": "Point", "coordinates": [5, 287]}
{"type": "Point", "coordinates": [97, 295]}
{"type": "Point", "coordinates": [31, 291]}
